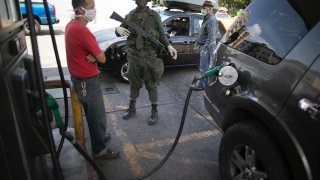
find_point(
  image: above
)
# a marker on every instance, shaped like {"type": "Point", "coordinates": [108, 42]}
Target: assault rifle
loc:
{"type": "Point", "coordinates": [138, 30]}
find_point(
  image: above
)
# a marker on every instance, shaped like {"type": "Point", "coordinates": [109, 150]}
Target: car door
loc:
{"type": "Point", "coordinates": [180, 40]}
{"type": "Point", "coordinates": [300, 115]}
{"type": "Point", "coordinates": [196, 28]}
{"type": "Point", "coordinates": [304, 118]}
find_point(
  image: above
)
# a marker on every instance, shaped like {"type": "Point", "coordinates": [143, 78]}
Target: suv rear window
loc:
{"type": "Point", "coordinates": [266, 30]}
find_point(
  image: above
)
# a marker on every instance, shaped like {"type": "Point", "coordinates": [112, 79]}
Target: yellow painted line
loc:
{"type": "Point", "coordinates": [152, 155]}
{"type": "Point", "coordinates": [132, 155]}
{"type": "Point", "coordinates": [185, 138]}
{"type": "Point", "coordinates": [157, 156]}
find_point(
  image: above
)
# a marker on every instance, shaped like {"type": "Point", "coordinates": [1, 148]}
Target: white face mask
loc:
{"type": "Point", "coordinates": [203, 11]}
{"type": "Point", "coordinates": [89, 14]}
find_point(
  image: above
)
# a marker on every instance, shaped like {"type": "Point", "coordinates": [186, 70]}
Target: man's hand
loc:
{"type": "Point", "coordinates": [196, 46]}
{"type": "Point", "coordinates": [122, 31]}
{"type": "Point", "coordinates": [172, 52]}
{"type": "Point", "coordinates": [90, 58]}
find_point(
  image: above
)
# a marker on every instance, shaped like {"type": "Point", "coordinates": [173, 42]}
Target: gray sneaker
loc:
{"type": "Point", "coordinates": [108, 154]}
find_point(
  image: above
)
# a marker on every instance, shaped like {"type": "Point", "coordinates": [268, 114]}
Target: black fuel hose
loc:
{"type": "Point", "coordinates": [40, 85]}
{"type": "Point", "coordinates": [183, 118]}
{"type": "Point", "coordinates": [63, 83]}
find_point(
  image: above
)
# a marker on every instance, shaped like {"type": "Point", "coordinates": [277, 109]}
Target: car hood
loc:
{"type": "Point", "coordinates": [107, 37]}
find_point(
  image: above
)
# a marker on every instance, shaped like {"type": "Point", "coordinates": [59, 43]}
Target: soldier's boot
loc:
{"type": "Point", "coordinates": [154, 115]}
{"type": "Point", "coordinates": [131, 111]}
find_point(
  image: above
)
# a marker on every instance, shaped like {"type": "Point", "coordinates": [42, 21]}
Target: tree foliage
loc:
{"type": "Point", "coordinates": [157, 2]}
{"type": "Point", "coordinates": [234, 6]}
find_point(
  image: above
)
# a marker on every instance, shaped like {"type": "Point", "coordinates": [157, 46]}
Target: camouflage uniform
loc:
{"type": "Point", "coordinates": [143, 64]}
{"type": "Point", "coordinates": [142, 52]}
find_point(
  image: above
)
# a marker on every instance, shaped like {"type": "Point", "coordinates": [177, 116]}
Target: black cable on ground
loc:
{"type": "Point", "coordinates": [40, 85]}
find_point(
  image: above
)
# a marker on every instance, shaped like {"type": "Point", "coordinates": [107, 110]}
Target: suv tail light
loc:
{"type": "Point", "coordinates": [54, 10]}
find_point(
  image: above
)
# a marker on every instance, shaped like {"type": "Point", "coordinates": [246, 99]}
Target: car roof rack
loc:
{"type": "Point", "coordinates": [187, 5]}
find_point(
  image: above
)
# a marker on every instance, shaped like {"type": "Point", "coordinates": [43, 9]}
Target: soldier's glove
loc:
{"type": "Point", "coordinates": [172, 52]}
{"type": "Point", "coordinates": [122, 31]}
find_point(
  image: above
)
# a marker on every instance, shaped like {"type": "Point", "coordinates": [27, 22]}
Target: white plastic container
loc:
{"type": "Point", "coordinates": [187, 5]}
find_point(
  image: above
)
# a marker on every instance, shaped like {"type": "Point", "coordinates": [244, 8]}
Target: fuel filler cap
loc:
{"type": "Point", "coordinates": [228, 75]}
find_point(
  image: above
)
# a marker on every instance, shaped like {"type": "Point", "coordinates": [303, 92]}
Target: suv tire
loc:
{"type": "Point", "coordinates": [247, 151]}
{"type": "Point", "coordinates": [123, 71]}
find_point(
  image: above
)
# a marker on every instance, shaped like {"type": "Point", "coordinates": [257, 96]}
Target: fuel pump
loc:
{"type": "Point", "coordinates": [25, 132]}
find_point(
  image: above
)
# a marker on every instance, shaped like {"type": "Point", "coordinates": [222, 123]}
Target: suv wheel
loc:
{"type": "Point", "coordinates": [37, 27]}
{"type": "Point", "coordinates": [248, 152]}
{"type": "Point", "coordinates": [123, 71]}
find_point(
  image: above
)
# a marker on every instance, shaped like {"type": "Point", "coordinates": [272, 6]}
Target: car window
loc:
{"type": "Point", "coordinates": [197, 26]}
{"type": "Point", "coordinates": [178, 26]}
{"type": "Point", "coordinates": [266, 30]}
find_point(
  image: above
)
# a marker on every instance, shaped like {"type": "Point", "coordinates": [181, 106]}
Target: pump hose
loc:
{"type": "Point", "coordinates": [40, 85]}
{"type": "Point", "coordinates": [63, 83]}
{"type": "Point", "coordinates": [209, 73]}
{"type": "Point", "coordinates": [183, 118]}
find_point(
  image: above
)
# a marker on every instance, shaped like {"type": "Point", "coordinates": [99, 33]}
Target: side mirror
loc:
{"type": "Point", "coordinates": [233, 37]}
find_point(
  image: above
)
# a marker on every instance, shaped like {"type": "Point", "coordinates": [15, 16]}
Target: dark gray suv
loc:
{"type": "Point", "coordinates": [270, 114]}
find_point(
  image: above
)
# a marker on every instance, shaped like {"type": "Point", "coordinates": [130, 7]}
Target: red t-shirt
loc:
{"type": "Point", "coordinates": [80, 42]}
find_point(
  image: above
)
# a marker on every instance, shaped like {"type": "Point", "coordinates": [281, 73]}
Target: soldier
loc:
{"type": "Point", "coordinates": [142, 56]}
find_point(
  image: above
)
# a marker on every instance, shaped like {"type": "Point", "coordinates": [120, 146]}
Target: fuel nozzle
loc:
{"type": "Point", "coordinates": [212, 71]}
{"type": "Point", "coordinates": [227, 76]}
{"type": "Point", "coordinates": [209, 73]}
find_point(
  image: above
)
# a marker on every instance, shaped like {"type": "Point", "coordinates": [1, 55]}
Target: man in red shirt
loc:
{"type": "Point", "coordinates": [83, 53]}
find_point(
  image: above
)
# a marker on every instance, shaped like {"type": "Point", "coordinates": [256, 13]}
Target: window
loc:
{"type": "Point", "coordinates": [266, 30]}
{"type": "Point", "coordinates": [197, 26]}
{"type": "Point", "coordinates": [178, 27]}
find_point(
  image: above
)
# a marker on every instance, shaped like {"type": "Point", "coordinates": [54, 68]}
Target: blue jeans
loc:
{"type": "Point", "coordinates": [206, 54]}
{"type": "Point", "coordinates": [90, 96]}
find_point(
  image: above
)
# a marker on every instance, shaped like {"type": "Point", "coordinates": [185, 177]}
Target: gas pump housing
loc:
{"type": "Point", "coordinates": [23, 140]}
